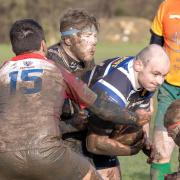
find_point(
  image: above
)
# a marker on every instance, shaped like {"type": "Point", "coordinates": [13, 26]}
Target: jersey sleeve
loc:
{"type": "Point", "coordinates": [157, 26]}
{"type": "Point", "coordinates": [77, 90]}
{"type": "Point", "coordinates": [113, 88]}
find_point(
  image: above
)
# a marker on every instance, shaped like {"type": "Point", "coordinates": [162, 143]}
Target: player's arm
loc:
{"type": "Point", "coordinates": [157, 27]}
{"type": "Point", "coordinates": [98, 144]}
{"type": "Point", "coordinates": [107, 110]}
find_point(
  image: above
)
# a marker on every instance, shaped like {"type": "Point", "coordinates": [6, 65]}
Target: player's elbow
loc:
{"type": "Point", "coordinates": [92, 144]}
{"type": "Point", "coordinates": [91, 148]}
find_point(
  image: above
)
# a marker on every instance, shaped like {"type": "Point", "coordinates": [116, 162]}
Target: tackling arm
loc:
{"type": "Point", "coordinates": [107, 110]}
{"type": "Point", "coordinates": [99, 102]}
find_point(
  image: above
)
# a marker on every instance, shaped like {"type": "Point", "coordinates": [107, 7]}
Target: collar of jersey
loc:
{"type": "Point", "coordinates": [28, 55]}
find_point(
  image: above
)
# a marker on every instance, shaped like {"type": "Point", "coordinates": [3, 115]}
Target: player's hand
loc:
{"type": "Point", "coordinates": [137, 147]}
{"type": "Point", "coordinates": [144, 116]}
{"type": "Point", "coordinates": [173, 176]}
{"type": "Point", "coordinates": [80, 119]}
{"type": "Point", "coordinates": [149, 149]}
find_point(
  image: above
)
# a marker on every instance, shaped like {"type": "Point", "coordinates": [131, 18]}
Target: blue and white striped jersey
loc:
{"type": "Point", "coordinates": [116, 77]}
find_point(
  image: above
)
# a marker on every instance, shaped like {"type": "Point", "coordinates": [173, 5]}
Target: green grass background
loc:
{"type": "Point", "coordinates": [132, 167]}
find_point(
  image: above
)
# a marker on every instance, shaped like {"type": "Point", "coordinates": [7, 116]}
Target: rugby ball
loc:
{"type": "Point", "coordinates": [127, 134]}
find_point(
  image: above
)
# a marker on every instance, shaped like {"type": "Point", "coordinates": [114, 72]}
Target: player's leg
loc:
{"type": "Point", "coordinates": [92, 174]}
{"type": "Point", "coordinates": [164, 144]}
{"type": "Point", "coordinates": [13, 165]}
{"type": "Point", "coordinates": [111, 173]}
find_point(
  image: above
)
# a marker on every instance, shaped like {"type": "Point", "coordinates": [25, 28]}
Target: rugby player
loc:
{"type": "Point", "coordinates": [130, 82]}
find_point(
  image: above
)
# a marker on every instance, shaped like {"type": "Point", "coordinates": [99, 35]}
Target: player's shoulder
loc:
{"type": "Point", "coordinates": [54, 46]}
{"type": "Point", "coordinates": [53, 52]}
{"type": "Point", "coordinates": [166, 3]}
{"type": "Point", "coordinates": [108, 61]}
{"type": "Point", "coordinates": [116, 61]}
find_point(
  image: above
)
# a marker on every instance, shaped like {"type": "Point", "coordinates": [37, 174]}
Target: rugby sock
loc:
{"type": "Point", "coordinates": [159, 170]}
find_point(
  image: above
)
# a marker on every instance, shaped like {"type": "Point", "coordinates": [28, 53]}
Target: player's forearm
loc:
{"type": "Point", "coordinates": [107, 110]}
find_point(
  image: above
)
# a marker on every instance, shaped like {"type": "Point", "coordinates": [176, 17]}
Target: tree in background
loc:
{"type": "Point", "coordinates": [48, 12]}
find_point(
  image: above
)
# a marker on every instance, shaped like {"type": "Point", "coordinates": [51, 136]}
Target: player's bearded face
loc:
{"type": "Point", "coordinates": [84, 44]}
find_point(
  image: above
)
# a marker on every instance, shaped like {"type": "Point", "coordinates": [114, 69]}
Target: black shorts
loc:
{"type": "Point", "coordinates": [102, 162]}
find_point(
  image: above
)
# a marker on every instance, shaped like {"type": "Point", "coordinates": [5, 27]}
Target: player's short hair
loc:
{"type": "Point", "coordinates": [172, 114]}
{"type": "Point", "coordinates": [78, 19]}
{"type": "Point", "coordinates": [150, 52]}
{"type": "Point", "coordinates": [143, 55]}
{"type": "Point", "coordinates": [26, 36]}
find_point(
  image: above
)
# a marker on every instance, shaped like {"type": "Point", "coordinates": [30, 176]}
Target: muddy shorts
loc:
{"type": "Point", "coordinates": [55, 163]}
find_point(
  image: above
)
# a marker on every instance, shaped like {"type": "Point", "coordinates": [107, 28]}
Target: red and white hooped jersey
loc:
{"type": "Point", "coordinates": [31, 97]}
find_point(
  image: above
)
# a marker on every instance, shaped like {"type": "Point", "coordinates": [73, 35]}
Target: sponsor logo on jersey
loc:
{"type": "Point", "coordinates": [118, 61]}
{"type": "Point", "coordinates": [174, 16]}
{"type": "Point", "coordinates": [27, 63]}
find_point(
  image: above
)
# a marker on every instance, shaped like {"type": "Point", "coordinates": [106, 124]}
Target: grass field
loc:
{"type": "Point", "coordinates": [133, 167]}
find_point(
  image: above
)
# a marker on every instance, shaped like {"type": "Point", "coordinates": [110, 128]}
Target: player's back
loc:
{"type": "Point", "coordinates": [30, 100]}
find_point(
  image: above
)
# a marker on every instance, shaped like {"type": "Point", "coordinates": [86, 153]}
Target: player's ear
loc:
{"type": "Point", "coordinates": [43, 47]}
{"type": "Point", "coordinates": [67, 41]}
{"type": "Point", "coordinates": [138, 65]}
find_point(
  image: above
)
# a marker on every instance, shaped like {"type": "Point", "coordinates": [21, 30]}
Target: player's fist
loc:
{"type": "Point", "coordinates": [144, 116]}
{"type": "Point", "coordinates": [149, 149]}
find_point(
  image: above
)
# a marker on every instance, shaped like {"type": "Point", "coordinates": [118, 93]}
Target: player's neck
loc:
{"type": "Point", "coordinates": [137, 85]}
{"type": "Point", "coordinates": [69, 53]}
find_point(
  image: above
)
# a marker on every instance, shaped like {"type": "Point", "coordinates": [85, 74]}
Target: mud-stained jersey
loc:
{"type": "Point", "coordinates": [29, 108]}
{"type": "Point", "coordinates": [116, 77]}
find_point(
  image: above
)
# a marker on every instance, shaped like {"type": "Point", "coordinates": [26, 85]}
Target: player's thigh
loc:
{"type": "Point", "coordinates": [61, 163]}
{"type": "Point", "coordinates": [92, 174]}
{"type": "Point", "coordinates": [12, 166]}
{"type": "Point", "coordinates": [111, 173]}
